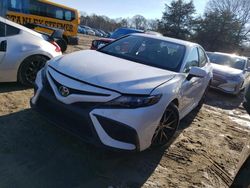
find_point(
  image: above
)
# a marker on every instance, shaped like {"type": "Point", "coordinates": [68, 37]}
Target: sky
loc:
{"type": "Point", "coordinates": [150, 9]}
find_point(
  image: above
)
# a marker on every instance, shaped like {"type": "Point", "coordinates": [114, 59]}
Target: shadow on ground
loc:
{"type": "Point", "coordinates": [242, 179]}
{"type": "Point", "coordinates": [224, 101]}
{"type": "Point", "coordinates": [34, 153]}
{"type": "Point", "coordinates": [9, 87]}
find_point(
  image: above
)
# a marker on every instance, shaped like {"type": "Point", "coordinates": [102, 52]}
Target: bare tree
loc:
{"type": "Point", "coordinates": [153, 25]}
{"type": "Point", "coordinates": [239, 8]}
{"type": "Point", "coordinates": [139, 22]}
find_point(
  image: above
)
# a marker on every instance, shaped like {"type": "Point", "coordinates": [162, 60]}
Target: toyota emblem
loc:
{"type": "Point", "coordinates": [64, 91]}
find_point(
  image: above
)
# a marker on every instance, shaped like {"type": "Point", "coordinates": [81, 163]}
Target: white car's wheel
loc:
{"type": "Point", "coordinates": [167, 128]}
{"type": "Point", "coordinates": [29, 69]}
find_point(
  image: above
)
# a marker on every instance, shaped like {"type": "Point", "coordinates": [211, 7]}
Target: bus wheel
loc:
{"type": "Point", "coordinates": [62, 43]}
{"type": "Point", "coordinates": [29, 68]}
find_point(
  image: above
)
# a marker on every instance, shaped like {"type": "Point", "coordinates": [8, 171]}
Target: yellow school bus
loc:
{"type": "Point", "coordinates": [46, 13]}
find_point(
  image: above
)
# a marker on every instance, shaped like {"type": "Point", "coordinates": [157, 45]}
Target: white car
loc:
{"type": "Point", "coordinates": [231, 73]}
{"type": "Point", "coordinates": [128, 95]}
{"type": "Point", "coordinates": [23, 52]}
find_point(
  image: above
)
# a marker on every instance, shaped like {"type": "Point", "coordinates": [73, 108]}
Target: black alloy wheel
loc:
{"type": "Point", "coordinates": [29, 69]}
{"type": "Point", "coordinates": [167, 128]}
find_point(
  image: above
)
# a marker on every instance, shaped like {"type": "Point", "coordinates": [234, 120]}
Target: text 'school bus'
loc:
{"type": "Point", "coordinates": [45, 13]}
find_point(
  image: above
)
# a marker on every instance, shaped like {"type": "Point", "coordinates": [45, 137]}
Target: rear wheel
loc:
{"type": "Point", "coordinates": [29, 69]}
{"type": "Point", "coordinates": [167, 128]}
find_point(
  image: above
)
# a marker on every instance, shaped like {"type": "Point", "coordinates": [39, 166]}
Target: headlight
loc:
{"type": "Point", "coordinates": [131, 101]}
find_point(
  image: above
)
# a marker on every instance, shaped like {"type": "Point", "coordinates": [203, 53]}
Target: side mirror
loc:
{"type": "Point", "coordinates": [196, 72]}
{"type": "Point", "coordinates": [247, 69]}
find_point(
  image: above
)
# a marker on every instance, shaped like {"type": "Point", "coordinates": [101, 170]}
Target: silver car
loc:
{"type": "Point", "coordinates": [23, 52]}
{"type": "Point", "coordinates": [230, 72]}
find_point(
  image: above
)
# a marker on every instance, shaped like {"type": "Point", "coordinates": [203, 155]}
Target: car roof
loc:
{"type": "Point", "coordinates": [227, 54]}
{"type": "Point", "coordinates": [129, 29]}
{"type": "Point", "coordinates": [20, 27]}
{"type": "Point", "coordinates": [169, 39]}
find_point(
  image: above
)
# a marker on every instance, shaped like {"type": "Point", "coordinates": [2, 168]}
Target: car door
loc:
{"type": "Point", "coordinates": [190, 89]}
{"type": "Point", "coordinates": [9, 53]}
{"type": "Point", "coordinates": [206, 66]}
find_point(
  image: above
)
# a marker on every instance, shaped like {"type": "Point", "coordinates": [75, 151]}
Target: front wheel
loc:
{"type": "Point", "coordinates": [29, 69]}
{"type": "Point", "coordinates": [167, 128]}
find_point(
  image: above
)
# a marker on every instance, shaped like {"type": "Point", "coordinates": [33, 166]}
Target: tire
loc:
{"type": "Point", "coordinates": [62, 43]}
{"type": "Point", "coordinates": [29, 68]}
{"type": "Point", "coordinates": [167, 128]}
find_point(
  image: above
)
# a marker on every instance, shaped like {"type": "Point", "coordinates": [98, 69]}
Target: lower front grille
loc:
{"type": "Point", "coordinates": [68, 117]}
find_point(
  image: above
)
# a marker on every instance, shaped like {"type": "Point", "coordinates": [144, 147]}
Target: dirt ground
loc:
{"type": "Point", "coordinates": [35, 154]}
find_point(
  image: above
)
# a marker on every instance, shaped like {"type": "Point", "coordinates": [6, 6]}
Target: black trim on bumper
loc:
{"type": "Point", "coordinates": [119, 131]}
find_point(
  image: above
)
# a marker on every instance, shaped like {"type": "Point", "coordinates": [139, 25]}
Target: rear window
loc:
{"type": "Point", "coordinates": [10, 30]}
{"type": "Point", "coordinates": [2, 29]}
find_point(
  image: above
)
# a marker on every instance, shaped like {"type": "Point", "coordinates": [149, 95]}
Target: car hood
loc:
{"type": "Point", "coordinates": [111, 72]}
{"type": "Point", "coordinates": [225, 70]}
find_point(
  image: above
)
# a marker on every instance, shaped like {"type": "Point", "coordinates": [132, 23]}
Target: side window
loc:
{"type": "Point", "coordinates": [10, 30]}
{"type": "Point", "coordinates": [15, 5]}
{"type": "Point", "coordinates": [59, 14]}
{"type": "Point", "coordinates": [2, 29]}
{"type": "Point", "coordinates": [192, 60]}
{"type": "Point", "coordinates": [68, 15]}
{"type": "Point", "coordinates": [202, 57]}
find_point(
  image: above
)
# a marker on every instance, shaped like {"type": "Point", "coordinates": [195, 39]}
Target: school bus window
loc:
{"type": "Point", "coordinates": [59, 14]}
{"type": "Point", "coordinates": [15, 5]}
{"type": "Point", "coordinates": [68, 16]}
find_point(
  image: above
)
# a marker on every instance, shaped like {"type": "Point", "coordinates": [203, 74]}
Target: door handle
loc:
{"type": "Point", "coordinates": [3, 46]}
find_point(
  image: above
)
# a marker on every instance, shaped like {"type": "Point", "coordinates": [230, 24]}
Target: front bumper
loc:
{"type": "Point", "coordinates": [226, 85]}
{"type": "Point", "coordinates": [123, 129]}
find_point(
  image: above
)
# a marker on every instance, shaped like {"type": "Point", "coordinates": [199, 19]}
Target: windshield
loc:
{"type": "Point", "coordinates": [148, 51]}
{"type": "Point", "coordinates": [122, 32]}
{"type": "Point", "coordinates": [227, 60]}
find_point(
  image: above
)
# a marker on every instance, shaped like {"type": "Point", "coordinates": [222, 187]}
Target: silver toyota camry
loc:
{"type": "Point", "coordinates": [23, 52]}
{"type": "Point", "coordinates": [230, 72]}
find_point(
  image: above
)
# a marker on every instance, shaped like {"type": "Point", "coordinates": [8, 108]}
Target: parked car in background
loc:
{"type": "Point", "coordinates": [98, 33]}
{"type": "Point", "coordinates": [81, 30]}
{"type": "Point", "coordinates": [105, 34]}
{"type": "Point", "coordinates": [230, 72]}
{"type": "Point", "coordinates": [23, 52]}
{"type": "Point", "coordinates": [129, 95]}
{"type": "Point", "coordinates": [115, 35]}
{"type": "Point", "coordinates": [89, 30]}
